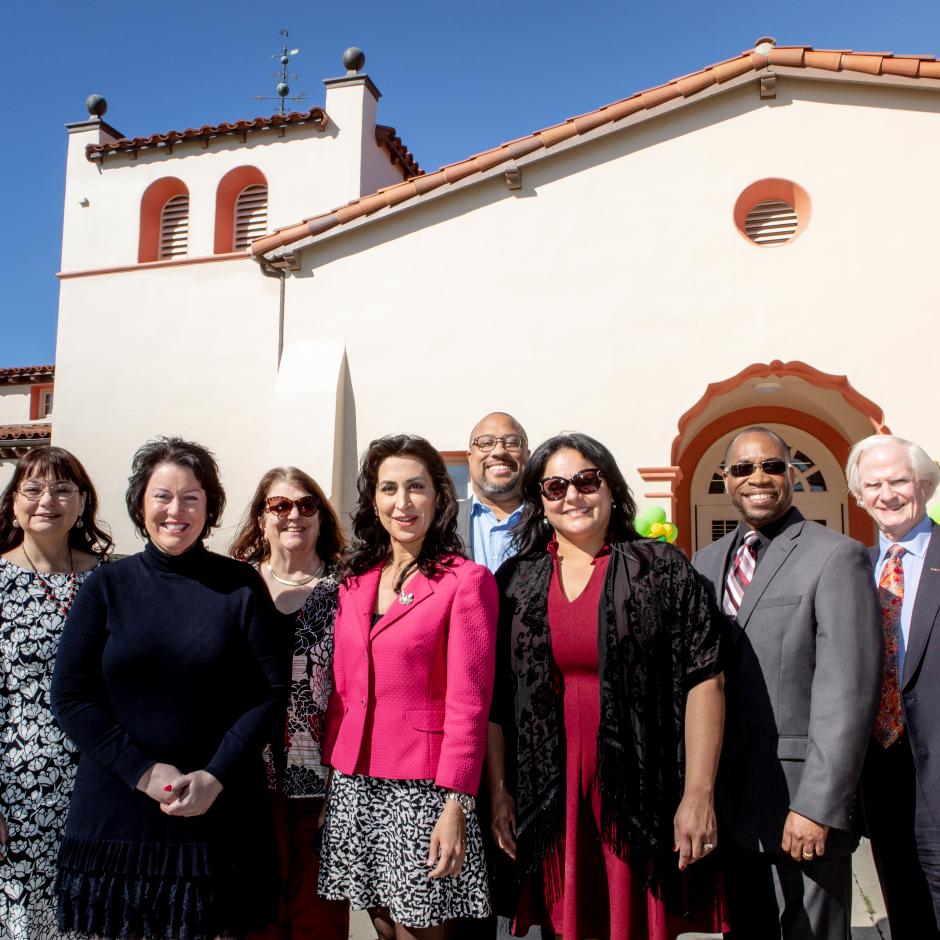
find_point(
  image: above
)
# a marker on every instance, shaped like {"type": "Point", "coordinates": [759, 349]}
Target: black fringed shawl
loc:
{"type": "Point", "coordinates": [656, 640]}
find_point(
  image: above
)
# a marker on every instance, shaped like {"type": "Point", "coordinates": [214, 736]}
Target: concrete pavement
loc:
{"type": "Point", "coordinates": [868, 914]}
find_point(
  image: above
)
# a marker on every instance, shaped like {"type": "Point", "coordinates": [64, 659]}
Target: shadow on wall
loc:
{"type": "Point", "coordinates": [345, 452]}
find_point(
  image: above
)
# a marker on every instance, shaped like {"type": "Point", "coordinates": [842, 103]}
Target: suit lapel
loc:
{"type": "Point", "coordinates": [777, 553]}
{"type": "Point", "coordinates": [926, 605]}
{"type": "Point", "coordinates": [420, 587]}
{"type": "Point", "coordinates": [368, 588]}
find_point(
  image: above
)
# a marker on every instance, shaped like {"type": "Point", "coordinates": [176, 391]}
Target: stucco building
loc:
{"type": "Point", "coordinates": [745, 243]}
{"type": "Point", "coordinates": [25, 413]}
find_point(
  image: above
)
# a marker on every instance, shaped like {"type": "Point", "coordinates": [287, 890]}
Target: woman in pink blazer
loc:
{"type": "Point", "coordinates": [406, 726]}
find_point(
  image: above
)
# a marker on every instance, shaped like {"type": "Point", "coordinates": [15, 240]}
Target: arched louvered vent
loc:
{"type": "Point", "coordinates": [251, 215]}
{"type": "Point", "coordinates": [174, 227]}
{"type": "Point", "coordinates": [771, 222]}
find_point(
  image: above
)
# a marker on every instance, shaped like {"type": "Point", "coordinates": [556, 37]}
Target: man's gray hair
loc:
{"type": "Point", "coordinates": [921, 464]}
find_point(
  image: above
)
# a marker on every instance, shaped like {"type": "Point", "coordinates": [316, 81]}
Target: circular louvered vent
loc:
{"type": "Point", "coordinates": [771, 222]}
{"type": "Point", "coordinates": [772, 212]}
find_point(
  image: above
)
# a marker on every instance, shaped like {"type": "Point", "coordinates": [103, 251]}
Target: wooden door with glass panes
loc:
{"type": "Point", "coordinates": [819, 490]}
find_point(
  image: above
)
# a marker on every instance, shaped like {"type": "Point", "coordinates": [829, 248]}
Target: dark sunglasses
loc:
{"type": "Point", "coordinates": [281, 505]}
{"type": "Point", "coordinates": [584, 481]}
{"type": "Point", "coordinates": [774, 467]}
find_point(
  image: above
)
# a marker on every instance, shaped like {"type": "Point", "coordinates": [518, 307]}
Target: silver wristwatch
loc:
{"type": "Point", "coordinates": [466, 802]}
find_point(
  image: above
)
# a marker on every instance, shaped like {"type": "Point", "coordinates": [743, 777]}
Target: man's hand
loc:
{"type": "Point", "coordinates": [803, 839]}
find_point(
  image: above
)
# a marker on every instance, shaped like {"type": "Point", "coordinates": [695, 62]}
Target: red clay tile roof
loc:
{"type": "Point", "coordinates": [99, 151]}
{"type": "Point", "coordinates": [388, 138]}
{"type": "Point", "coordinates": [25, 432]}
{"type": "Point", "coordinates": [18, 374]}
{"type": "Point", "coordinates": [869, 63]}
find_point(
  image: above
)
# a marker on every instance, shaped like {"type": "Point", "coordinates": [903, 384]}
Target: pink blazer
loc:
{"type": "Point", "coordinates": [412, 694]}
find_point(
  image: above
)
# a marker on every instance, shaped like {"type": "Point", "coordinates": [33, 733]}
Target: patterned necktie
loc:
{"type": "Point", "coordinates": [740, 574]}
{"type": "Point", "coordinates": [889, 725]}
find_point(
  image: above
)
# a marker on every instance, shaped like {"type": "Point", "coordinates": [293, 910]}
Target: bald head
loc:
{"type": "Point", "coordinates": [496, 468]}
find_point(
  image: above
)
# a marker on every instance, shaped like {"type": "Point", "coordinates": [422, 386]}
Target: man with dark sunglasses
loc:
{"type": "Point", "coordinates": [801, 688]}
{"type": "Point", "coordinates": [496, 457]}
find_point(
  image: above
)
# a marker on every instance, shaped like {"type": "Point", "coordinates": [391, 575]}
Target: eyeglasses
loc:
{"type": "Point", "coordinates": [281, 505]}
{"type": "Point", "coordinates": [61, 490]}
{"type": "Point", "coordinates": [486, 442]}
{"type": "Point", "coordinates": [584, 481]}
{"type": "Point", "coordinates": [774, 467]}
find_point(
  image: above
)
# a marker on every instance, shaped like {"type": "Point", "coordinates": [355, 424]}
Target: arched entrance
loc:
{"type": "Point", "coordinates": [818, 492]}
{"type": "Point", "coordinates": [821, 415]}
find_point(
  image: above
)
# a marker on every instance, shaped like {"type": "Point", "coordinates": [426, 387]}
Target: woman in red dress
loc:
{"type": "Point", "coordinates": [610, 700]}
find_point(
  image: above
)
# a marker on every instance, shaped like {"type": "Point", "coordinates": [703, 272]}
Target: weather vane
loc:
{"type": "Point", "coordinates": [283, 76]}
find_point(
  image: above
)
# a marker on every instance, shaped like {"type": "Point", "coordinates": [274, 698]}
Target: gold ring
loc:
{"type": "Point", "coordinates": [808, 855]}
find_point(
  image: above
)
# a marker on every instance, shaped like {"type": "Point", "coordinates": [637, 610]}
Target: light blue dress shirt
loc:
{"type": "Point", "coordinates": [491, 537]}
{"type": "Point", "coordinates": [912, 563]}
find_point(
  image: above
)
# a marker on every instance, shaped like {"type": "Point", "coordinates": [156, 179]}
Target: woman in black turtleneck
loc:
{"type": "Point", "coordinates": [169, 679]}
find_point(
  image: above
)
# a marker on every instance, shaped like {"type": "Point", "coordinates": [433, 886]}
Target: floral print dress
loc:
{"type": "Point", "coordinates": [37, 760]}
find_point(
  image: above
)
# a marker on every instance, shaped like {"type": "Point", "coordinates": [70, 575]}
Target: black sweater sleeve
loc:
{"type": "Point", "coordinates": [79, 695]}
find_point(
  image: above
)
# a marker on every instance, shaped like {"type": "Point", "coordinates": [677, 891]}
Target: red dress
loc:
{"type": "Point", "coordinates": [601, 897]}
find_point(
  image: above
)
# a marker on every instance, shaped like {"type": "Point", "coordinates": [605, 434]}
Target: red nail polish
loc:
{"type": "Point", "coordinates": [168, 788]}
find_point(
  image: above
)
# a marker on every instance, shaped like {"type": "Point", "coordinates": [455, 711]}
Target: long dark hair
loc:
{"type": "Point", "coordinates": [533, 531]}
{"type": "Point", "coordinates": [371, 544]}
{"type": "Point", "coordinates": [178, 453]}
{"type": "Point", "coordinates": [55, 463]}
{"type": "Point", "coordinates": [250, 544]}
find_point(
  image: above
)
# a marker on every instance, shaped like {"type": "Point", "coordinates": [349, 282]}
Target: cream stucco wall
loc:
{"type": "Point", "coordinates": [14, 404]}
{"type": "Point", "coordinates": [603, 297]}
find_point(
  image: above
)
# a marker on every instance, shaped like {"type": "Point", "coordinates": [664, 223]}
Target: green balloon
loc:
{"type": "Point", "coordinates": [934, 512]}
{"type": "Point", "coordinates": [653, 514]}
{"type": "Point", "coordinates": [642, 526]}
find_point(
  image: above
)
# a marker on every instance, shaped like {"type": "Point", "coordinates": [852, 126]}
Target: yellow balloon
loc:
{"type": "Point", "coordinates": [667, 529]}
{"type": "Point", "coordinates": [657, 529]}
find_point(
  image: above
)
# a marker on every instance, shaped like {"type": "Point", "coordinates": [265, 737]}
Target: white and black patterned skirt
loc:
{"type": "Point", "coordinates": [375, 852]}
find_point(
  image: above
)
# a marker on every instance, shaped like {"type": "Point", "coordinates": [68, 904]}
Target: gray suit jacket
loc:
{"type": "Point", "coordinates": [803, 679]}
{"type": "Point", "coordinates": [463, 524]}
{"type": "Point", "coordinates": [920, 684]}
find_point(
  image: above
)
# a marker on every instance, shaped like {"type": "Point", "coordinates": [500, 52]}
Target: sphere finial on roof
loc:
{"type": "Point", "coordinates": [96, 105]}
{"type": "Point", "coordinates": [354, 59]}
{"type": "Point", "coordinates": [765, 45]}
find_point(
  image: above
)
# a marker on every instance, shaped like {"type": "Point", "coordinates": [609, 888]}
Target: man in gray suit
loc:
{"type": "Point", "coordinates": [893, 480]}
{"type": "Point", "coordinates": [496, 457]}
{"type": "Point", "coordinates": [804, 640]}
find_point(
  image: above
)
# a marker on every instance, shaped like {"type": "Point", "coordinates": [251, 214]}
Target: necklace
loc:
{"type": "Point", "coordinates": [298, 582]}
{"type": "Point", "coordinates": [61, 606]}
{"type": "Point", "coordinates": [403, 598]}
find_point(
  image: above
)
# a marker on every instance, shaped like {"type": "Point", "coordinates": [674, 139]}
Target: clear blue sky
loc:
{"type": "Point", "coordinates": [456, 78]}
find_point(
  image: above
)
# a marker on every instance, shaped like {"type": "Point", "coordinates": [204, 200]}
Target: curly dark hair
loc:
{"type": "Point", "coordinates": [532, 532]}
{"type": "Point", "coordinates": [55, 463]}
{"type": "Point", "coordinates": [371, 544]}
{"type": "Point", "coordinates": [178, 453]}
{"type": "Point", "coordinates": [250, 544]}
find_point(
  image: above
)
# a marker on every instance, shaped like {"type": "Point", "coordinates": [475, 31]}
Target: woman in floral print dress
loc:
{"type": "Point", "coordinates": [49, 542]}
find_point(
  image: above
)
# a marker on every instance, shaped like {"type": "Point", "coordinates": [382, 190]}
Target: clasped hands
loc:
{"type": "Point", "coordinates": [177, 793]}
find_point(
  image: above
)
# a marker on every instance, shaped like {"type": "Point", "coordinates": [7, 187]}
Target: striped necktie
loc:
{"type": "Point", "coordinates": [740, 574]}
{"type": "Point", "coordinates": [889, 722]}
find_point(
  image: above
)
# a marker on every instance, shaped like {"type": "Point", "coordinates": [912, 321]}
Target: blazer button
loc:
{"type": "Point", "coordinates": [362, 701]}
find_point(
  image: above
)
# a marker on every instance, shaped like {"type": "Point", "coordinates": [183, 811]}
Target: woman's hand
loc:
{"type": "Point", "coordinates": [448, 841]}
{"type": "Point", "coordinates": [159, 783]}
{"type": "Point", "coordinates": [503, 821]}
{"type": "Point", "coordinates": [694, 828]}
{"type": "Point", "coordinates": [199, 790]}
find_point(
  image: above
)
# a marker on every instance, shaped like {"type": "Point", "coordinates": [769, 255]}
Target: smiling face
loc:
{"type": "Point", "coordinates": [294, 533]}
{"type": "Point", "coordinates": [498, 473]}
{"type": "Point", "coordinates": [174, 508]}
{"type": "Point", "coordinates": [889, 490]}
{"type": "Point", "coordinates": [405, 500]}
{"type": "Point", "coordinates": [49, 516]}
{"type": "Point", "coordinates": [580, 518]}
{"type": "Point", "coordinates": [760, 498]}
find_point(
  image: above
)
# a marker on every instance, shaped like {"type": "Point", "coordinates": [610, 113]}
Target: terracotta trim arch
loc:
{"type": "Point", "coordinates": [155, 197]}
{"type": "Point", "coordinates": [859, 525]}
{"type": "Point", "coordinates": [759, 370]}
{"type": "Point", "coordinates": [230, 186]}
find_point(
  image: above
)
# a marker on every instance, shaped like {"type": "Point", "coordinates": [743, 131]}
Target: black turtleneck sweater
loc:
{"type": "Point", "coordinates": [171, 659]}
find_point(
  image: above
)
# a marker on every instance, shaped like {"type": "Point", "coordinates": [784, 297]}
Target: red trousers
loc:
{"type": "Point", "coordinates": [302, 915]}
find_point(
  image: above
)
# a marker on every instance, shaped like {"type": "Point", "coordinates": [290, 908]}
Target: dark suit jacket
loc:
{"type": "Point", "coordinates": [920, 684]}
{"type": "Point", "coordinates": [802, 684]}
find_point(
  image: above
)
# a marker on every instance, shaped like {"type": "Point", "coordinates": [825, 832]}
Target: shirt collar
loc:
{"type": "Point", "coordinates": [477, 508]}
{"type": "Point", "coordinates": [915, 541]}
